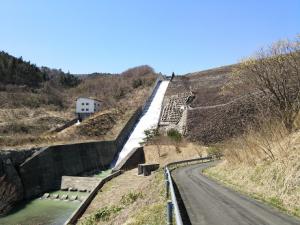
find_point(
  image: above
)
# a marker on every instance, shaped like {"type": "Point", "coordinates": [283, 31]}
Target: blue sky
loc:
{"type": "Point", "coordinates": [113, 35]}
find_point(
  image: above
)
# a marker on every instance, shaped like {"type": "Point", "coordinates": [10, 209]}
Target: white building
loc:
{"type": "Point", "coordinates": [87, 106]}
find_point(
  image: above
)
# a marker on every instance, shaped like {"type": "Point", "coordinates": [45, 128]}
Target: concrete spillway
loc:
{"type": "Point", "coordinates": [149, 120]}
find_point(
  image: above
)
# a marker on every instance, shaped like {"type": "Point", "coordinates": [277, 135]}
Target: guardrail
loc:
{"type": "Point", "coordinates": [173, 204]}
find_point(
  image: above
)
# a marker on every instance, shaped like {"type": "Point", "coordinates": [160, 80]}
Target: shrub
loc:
{"type": "Point", "coordinates": [174, 135]}
{"type": "Point", "coordinates": [150, 134]}
{"type": "Point", "coordinates": [130, 198]}
{"type": "Point", "coordinates": [214, 152]}
{"type": "Point", "coordinates": [137, 83]}
{"type": "Point", "coordinates": [106, 212]}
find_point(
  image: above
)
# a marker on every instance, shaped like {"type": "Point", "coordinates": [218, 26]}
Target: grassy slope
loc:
{"type": "Point", "coordinates": [217, 121]}
{"type": "Point", "coordinates": [129, 199]}
{"type": "Point", "coordinates": [275, 182]}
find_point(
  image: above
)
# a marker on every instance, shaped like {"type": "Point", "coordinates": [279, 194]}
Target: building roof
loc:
{"type": "Point", "coordinates": [90, 98]}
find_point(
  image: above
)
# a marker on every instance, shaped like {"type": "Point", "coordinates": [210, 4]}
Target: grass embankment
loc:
{"type": "Point", "coordinates": [276, 181]}
{"type": "Point", "coordinates": [129, 199]}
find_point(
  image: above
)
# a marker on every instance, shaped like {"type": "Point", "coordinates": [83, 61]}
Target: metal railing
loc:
{"type": "Point", "coordinates": [173, 204]}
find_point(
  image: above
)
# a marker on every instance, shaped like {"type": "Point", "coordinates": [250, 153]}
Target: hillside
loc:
{"type": "Point", "coordinates": [262, 159]}
{"type": "Point", "coordinates": [16, 71]}
{"type": "Point", "coordinates": [36, 100]}
{"type": "Point", "coordinates": [214, 114]}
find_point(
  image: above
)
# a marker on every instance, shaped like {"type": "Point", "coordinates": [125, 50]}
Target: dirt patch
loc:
{"type": "Point", "coordinates": [169, 153]}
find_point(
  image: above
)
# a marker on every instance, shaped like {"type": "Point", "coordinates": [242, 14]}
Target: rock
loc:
{"type": "Point", "coordinates": [54, 196]}
{"type": "Point", "coordinates": [83, 190]}
{"type": "Point", "coordinates": [64, 197]}
{"type": "Point", "coordinates": [73, 197]}
{"type": "Point", "coordinates": [11, 188]}
{"type": "Point", "coordinates": [72, 189]}
{"type": "Point", "coordinates": [64, 189]}
{"type": "Point", "coordinates": [46, 195]}
{"type": "Point", "coordinates": [81, 198]}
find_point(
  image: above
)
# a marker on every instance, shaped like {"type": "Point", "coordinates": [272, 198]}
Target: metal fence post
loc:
{"type": "Point", "coordinates": [169, 213]}
{"type": "Point", "coordinates": [166, 175]}
{"type": "Point", "coordinates": [167, 189]}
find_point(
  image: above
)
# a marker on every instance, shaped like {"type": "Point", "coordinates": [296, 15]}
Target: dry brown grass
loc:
{"type": "Point", "coordinates": [147, 208]}
{"type": "Point", "coordinates": [270, 142]}
{"type": "Point", "coordinates": [26, 127]}
{"type": "Point", "coordinates": [169, 153]}
{"type": "Point", "coordinates": [264, 164]}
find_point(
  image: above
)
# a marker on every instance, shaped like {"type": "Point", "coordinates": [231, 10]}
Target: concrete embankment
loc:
{"type": "Point", "coordinates": [42, 172]}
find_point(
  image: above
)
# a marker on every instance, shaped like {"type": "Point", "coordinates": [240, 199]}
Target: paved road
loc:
{"type": "Point", "coordinates": [209, 203]}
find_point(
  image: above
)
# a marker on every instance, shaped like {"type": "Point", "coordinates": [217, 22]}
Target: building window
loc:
{"type": "Point", "coordinates": [86, 109]}
{"type": "Point", "coordinates": [87, 103]}
{"type": "Point", "coordinates": [82, 109]}
{"type": "Point", "coordinates": [98, 104]}
{"type": "Point", "coordinates": [82, 103]}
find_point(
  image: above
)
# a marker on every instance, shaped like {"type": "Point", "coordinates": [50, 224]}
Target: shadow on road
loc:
{"type": "Point", "coordinates": [183, 212]}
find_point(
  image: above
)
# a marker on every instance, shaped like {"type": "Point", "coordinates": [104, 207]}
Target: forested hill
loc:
{"type": "Point", "coordinates": [16, 71]}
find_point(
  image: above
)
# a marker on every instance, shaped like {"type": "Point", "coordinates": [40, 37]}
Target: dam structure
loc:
{"type": "Point", "coordinates": [149, 120]}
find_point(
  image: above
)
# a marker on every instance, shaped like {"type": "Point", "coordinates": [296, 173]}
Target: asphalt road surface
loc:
{"type": "Point", "coordinates": [209, 203]}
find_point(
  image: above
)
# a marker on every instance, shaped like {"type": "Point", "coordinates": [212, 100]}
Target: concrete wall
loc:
{"type": "Point", "coordinates": [128, 128]}
{"type": "Point", "coordinates": [135, 157]}
{"type": "Point", "coordinates": [79, 183]}
{"type": "Point", "coordinates": [42, 172]}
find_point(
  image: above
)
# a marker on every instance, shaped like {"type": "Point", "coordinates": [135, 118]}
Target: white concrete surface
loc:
{"type": "Point", "coordinates": [149, 120]}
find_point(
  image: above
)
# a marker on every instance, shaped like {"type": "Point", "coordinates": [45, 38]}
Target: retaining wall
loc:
{"type": "Point", "coordinates": [42, 172]}
{"type": "Point", "coordinates": [135, 157]}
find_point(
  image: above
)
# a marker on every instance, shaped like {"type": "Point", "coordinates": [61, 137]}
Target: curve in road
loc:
{"type": "Point", "coordinates": [209, 203]}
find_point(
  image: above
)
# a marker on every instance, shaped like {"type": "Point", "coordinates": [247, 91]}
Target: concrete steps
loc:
{"type": "Point", "coordinates": [175, 106]}
{"type": "Point", "coordinates": [64, 197]}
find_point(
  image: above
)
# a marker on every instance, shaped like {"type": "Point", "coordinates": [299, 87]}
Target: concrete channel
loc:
{"type": "Point", "coordinates": [56, 207]}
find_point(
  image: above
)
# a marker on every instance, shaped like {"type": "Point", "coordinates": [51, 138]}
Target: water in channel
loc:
{"type": "Point", "coordinates": [46, 211]}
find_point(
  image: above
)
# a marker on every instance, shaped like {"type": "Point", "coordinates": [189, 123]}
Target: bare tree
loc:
{"type": "Point", "coordinates": [274, 72]}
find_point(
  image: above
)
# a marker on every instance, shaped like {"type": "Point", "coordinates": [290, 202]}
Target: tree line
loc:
{"type": "Point", "coordinates": [16, 71]}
